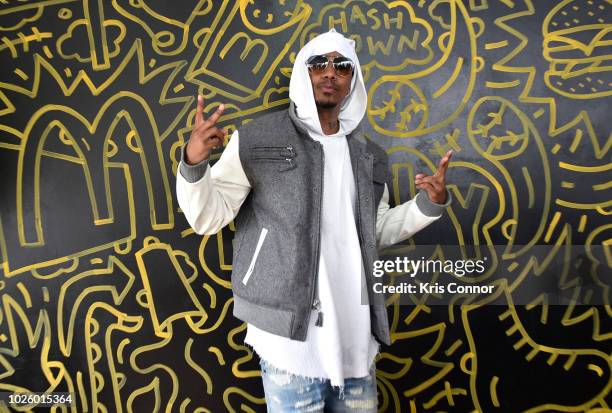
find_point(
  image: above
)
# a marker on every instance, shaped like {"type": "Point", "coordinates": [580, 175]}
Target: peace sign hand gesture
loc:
{"type": "Point", "coordinates": [205, 136]}
{"type": "Point", "coordinates": [435, 185]}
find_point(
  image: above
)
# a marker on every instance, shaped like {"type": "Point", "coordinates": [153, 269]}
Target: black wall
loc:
{"type": "Point", "coordinates": [107, 293]}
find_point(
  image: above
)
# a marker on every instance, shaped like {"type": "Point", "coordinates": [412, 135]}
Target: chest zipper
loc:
{"type": "Point", "coordinates": [316, 303]}
{"type": "Point", "coordinates": [286, 151]}
{"type": "Point", "coordinates": [359, 234]}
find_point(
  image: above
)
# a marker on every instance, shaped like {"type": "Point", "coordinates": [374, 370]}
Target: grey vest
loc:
{"type": "Point", "coordinates": [276, 245]}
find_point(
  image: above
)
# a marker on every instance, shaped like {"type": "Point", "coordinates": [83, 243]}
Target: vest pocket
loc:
{"type": "Point", "coordinates": [262, 237]}
{"type": "Point", "coordinates": [279, 151]}
{"type": "Point", "coordinates": [281, 155]}
{"type": "Point", "coordinates": [284, 164]}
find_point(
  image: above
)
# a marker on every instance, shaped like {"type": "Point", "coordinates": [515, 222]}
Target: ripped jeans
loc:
{"type": "Point", "coordinates": [289, 393]}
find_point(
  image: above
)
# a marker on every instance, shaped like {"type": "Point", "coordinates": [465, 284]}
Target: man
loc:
{"type": "Point", "coordinates": [309, 197]}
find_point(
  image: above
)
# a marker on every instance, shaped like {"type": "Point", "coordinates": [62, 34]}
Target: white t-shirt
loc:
{"type": "Point", "coordinates": [343, 346]}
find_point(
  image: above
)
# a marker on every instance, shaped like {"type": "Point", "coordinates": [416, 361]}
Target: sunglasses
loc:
{"type": "Point", "coordinates": [343, 66]}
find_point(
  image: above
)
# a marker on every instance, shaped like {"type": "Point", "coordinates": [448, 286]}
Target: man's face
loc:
{"type": "Point", "coordinates": [328, 87]}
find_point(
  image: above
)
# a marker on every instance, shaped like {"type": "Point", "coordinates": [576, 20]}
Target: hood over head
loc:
{"type": "Point", "coordinates": [352, 107]}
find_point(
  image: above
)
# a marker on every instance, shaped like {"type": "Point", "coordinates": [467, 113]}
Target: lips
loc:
{"type": "Point", "coordinates": [328, 88]}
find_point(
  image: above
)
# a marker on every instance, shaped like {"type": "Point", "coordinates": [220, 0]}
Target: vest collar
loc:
{"type": "Point", "coordinates": [354, 138]}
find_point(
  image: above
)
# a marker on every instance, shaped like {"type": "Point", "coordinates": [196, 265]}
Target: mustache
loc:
{"type": "Point", "coordinates": [328, 84]}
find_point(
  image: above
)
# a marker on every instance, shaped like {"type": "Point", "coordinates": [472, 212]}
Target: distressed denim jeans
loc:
{"type": "Point", "coordinates": [290, 393]}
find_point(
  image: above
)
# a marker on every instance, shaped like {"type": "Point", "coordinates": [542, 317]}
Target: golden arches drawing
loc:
{"type": "Point", "coordinates": [94, 157]}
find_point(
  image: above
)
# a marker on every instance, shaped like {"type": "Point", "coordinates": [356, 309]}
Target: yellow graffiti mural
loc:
{"type": "Point", "coordinates": [107, 294]}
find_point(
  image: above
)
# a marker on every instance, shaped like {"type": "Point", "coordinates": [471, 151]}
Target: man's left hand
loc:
{"type": "Point", "coordinates": [435, 185]}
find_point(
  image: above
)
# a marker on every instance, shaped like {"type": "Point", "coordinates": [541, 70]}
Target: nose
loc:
{"type": "Point", "coordinates": [329, 71]}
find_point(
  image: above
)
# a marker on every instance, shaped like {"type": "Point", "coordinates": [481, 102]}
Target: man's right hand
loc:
{"type": "Point", "coordinates": [204, 136]}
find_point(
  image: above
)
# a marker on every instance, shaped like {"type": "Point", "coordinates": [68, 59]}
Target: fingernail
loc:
{"type": "Point", "coordinates": [199, 97]}
{"type": "Point", "coordinates": [221, 106]}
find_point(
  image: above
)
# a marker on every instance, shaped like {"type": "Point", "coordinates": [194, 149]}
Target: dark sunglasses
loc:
{"type": "Point", "coordinates": [343, 66]}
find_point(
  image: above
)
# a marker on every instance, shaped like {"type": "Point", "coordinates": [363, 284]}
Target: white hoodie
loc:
{"type": "Point", "coordinates": [343, 346]}
{"type": "Point", "coordinates": [353, 107]}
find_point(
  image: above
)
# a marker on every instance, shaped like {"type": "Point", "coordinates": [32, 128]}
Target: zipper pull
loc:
{"type": "Point", "coordinates": [319, 322]}
{"type": "Point", "coordinates": [317, 305]}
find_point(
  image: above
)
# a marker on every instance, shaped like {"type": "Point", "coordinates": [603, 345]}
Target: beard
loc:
{"type": "Point", "coordinates": [325, 105]}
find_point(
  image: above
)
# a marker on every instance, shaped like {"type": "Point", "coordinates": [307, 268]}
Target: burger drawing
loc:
{"type": "Point", "coordinates": [578, 47]}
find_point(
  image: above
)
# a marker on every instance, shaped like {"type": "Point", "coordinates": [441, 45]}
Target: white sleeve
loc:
{"type": "Point", "coordinates": [396, 224]}
{"type": "Point", "coordinates": [210, 197]}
